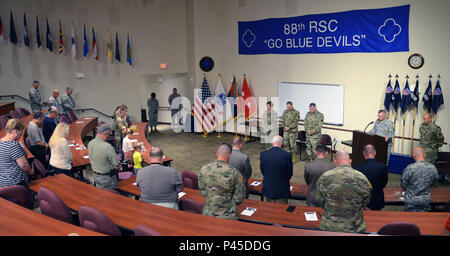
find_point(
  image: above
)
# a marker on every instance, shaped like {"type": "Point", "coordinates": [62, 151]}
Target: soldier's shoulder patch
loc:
{"type": "Point", "coordinates": [64, 98]}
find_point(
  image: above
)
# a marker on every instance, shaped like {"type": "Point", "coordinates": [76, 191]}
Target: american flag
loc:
{"type": "Point", "coordinates": [204, 108]}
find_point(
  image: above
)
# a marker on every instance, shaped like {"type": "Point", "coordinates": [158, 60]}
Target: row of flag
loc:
{"type": "Point", "coordinates": [432, 99]}
{"type": "Point", "coordinates": [211, 111]}
{"type": "Point", "coordinates": [61, 47]}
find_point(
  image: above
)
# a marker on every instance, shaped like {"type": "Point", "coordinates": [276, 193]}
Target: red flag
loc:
{"type": "Point", "coordinates": [249, 101]}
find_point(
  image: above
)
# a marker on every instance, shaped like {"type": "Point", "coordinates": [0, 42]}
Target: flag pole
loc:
{"type": "Point", "coordinates": [387, 112]}
{"type": "Point", "coordinates": [395, 123]}
{"type": "Point", "coordinates": [219, 135]}
{"type": "Point", "coordinates": [413, 124]}
{"type": "Point", "coordinates": [404, 121]}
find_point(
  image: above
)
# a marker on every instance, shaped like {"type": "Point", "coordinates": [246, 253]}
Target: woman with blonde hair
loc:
{"type": "Point", "coordinates": [14, 167]}
{"type": "Point", "coordinates": [61, 156]}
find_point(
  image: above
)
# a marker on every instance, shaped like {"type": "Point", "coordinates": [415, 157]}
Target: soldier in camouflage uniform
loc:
{"type": "Point", "coordinates": [120, 124]}
{"type": "Point", "coordinates": [289, 122]}
{"type": "Point", "coordinates": [343, 192]}
{"type": "Point", "coordinates": [431, 138]}
{"type": "Point", "coordinates": [35, 97]}
{"type": "Point", "coordinates": [67, 103]}
{"type": "Point", "coordinates": [269, 126]}
{"type": "Point", "coordinates": [384, 128]}
{"type": "Point", "coordinates": [417, 180]}
{"type": "Point", "coordinates": [313, 128]}
{"type": "Point", "coordinates": [222, 185]}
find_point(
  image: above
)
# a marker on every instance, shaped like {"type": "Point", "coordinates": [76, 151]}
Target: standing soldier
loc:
{"type": "Point", "coordinates": [53, 100]}
{"type": "Point", "coordinates": [417, 180]}
{"type": "Point", "coordinates": [343, 192]}
{"type": "Point", "coordinates": [289, 122]}
{"type": "Point", "coordinates": [67, 102]}
{"type": "Point", "coordinates": [431, 138]}
{"type": "Point", "coordinates": [313, 128]}
{"type": "Point", "coordinates": [174, 109]}
{"type": "Point", "coordinates": [222, 186]}
{"type": "Point", "coordinates": [35, 97]}
{"type": "Point", "coordinates": [269, 125]}
{"type": "Point", "coordinates": [153, 107]}
{"type": "Point", "coordinates": [120, 125]}
{"type": "Point", "coordinates": [385, 128]}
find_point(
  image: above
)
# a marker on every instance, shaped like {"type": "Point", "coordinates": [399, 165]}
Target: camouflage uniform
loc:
{"type": "Point", "coordinates": [431, 139]}
{"type": "Point", "coordinates": [67, 104]}
{"type": "Point", "coordinates": [153, 107]}
{"type": "Point", "coordinates": [35, 99]}
{"type": "Point", "coordinates": [54, 102]}
{"type": "Point", "coordinates": [417, 180]}
{"type": "Point", "coordinates": [269, 127]}
{"type": "Point", "coordinates": [343, 192]}
{"type": "Point", "coordinates": [119, 124]}
{"type": "Point", "coordinates": [223, 188]}
{"type": "Point", "coordinates": [383, 129]}
{"type": "Point", "coordinates": [290, 119]}
{"type": "Point", "coordinates": [313, 123]}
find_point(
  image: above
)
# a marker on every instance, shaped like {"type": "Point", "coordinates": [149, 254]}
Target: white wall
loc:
{"type": "Point", "coordinates": [363, 74]}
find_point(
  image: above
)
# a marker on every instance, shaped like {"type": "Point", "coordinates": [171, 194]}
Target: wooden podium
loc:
{"type": "Point", "coordinates": [360, 140]}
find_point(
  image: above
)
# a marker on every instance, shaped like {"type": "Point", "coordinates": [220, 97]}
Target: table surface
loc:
{"type": "Point", "coordinates": [16, 220]}
{"type": "Point", "coordinates": [430, 223]}
{"type": "Point", "coordinates": [128, 213]}
{"type": "Point", "coordinates": [77, 132]}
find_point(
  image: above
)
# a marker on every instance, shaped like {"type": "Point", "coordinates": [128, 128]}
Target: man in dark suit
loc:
{"type": "Point", "coordinates": [241, 162]}
{"type": "Point", "coordinates": [313, 171]}
{"type": "Point", "coordinates": [377, 174]}
{"type": "Point", "coordinates": [276, 167]}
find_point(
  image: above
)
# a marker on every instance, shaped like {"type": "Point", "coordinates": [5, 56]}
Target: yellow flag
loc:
{"type": "Point", "coordinates": [109, 53]}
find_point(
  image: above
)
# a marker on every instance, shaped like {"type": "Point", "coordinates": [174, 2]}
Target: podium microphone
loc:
{"type": "Point", "coordinates": [368, 126]}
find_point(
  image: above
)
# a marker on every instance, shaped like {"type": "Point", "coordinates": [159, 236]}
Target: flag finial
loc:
{"type": "Point", "coordinates": [430, 76]}
{"type": "Point", "coordinates": [396, 76]}
{"type": "Point", "coordinates": [406, 76]}
{"type": "Point", "coordinates": [417, 76]}
{"type": "Point", "coordinates": [389, 76]}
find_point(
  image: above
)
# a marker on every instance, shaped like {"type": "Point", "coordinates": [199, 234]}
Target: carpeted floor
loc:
{"type": "Point", "coordinates": [192, 151]}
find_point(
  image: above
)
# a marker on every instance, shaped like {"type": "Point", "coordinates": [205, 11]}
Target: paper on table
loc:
{"type": "Point", "coordinates": [136, 133]}
{"type": "Point", "coordinates": [181, 194]}
{"type": "Point", "coordinates": [73, 145]}
{"type": "Point", "coordinates": [290, 188]}
{"type": "Point", "coordinates": [86, 157]}
{"type": "Point", "coordinates": [256, 183]}
{"type": "Point", "coordinates": [135, 184]}
{"type": "Point", "coordinates": [79, 122]}
{"type": "Point", "coordinates": [248, 211]}
{"type": "Point", "coordinates": [311, 216]}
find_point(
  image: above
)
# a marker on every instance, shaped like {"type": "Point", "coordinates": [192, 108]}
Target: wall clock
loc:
{"type": "Point", "coordinates": [416, 61]}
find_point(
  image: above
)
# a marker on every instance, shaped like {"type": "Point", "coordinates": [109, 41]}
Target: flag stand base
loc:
{"type": "Point", "coordinates": [219, 135]}
{"type": "Point", "coordinates": [246, 138]}
{"type": "Point", "coordinates": [205, 135]}
{"type": "Point", "coordinates": [236, 135]}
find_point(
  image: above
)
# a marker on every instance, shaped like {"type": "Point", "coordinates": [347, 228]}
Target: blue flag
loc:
{"type": "Point", "coordinates": [38, 33]}
{"type": "Point", "coordinates": [388, 96]}
{"type": "Point", "coordinates": [406, 98]}
{"type": "Point", "coordinates": [396, 98]}
{"type": "Point", "coordinates": [12, 30]}
{"type": "Point", "coordinates": [427, 97]}
{"type": "Point", "coordinates": [48, 39]}
{"type": "Point", "coordinates": [415, 95]}
{"type": "Point", "coordinates": [26, 39]}
{"type": "Point", "coordinates": [86, 47]}
{"type": "Point", "coordinates": [438, 97]}
{"type": "Point", "coordinates": [129, 50]}
{"type": "Point", "coordinates": [117, 48]}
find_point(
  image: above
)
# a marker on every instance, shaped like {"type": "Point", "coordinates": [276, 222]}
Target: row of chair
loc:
{"type": "Point", "coordinates": [18, 113]}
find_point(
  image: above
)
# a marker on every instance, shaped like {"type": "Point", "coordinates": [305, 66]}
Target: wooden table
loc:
{"type": "Point", "coordinates": [77, 132]}
{"type": "Point", "coordinates": [139, 134]}
{"type": "Point", "coordinates": [5, 107]}
{"type": "Point", "coordinates": [16, 220]}
{"type": "Point", "coordinates": [128, 213]}
{"type": "Point", "coordinates": [430, 223]}
{"type": "Point", "coordinates": [439, 196]}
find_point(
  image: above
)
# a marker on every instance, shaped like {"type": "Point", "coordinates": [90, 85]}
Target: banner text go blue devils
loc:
{"type": "Point", "coordinates": [374, 30]}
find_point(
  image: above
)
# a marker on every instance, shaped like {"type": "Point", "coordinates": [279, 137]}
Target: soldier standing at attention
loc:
{"type": "Point", "coordinates": [417, 180]}
{"type": "Point", "coordinates": [67, 103]}
{"type": "Point", "coordinates": [222, 186]}
{"type": "Point", "coordinates": [289, 122]}
{"type": "Point", "coordinates": [313, 128]}
{"type": "Point", "coordinates": [431, 138]}
{"type": "Point", "coordinates": [269, 125]}
{"type": "Point", "coordinates": [343, 192]}
{"type": "Point", "coordinates": [53, 100]}
{"type": "Point", "coordinates": [175, 109]}
{"type": "Point", "coordinates": [120, 125]}
{"type": "Point", "coordinates": [35, 97]}
{"type": "Point", "coordinates": [385, 128]}
{"type": "Point", "coordinates": [153, 107]}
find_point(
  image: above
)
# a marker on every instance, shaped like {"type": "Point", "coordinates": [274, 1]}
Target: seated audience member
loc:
{"type": "Point", "coordinates": [241, 162]}
{"type": "Point", "coordinates": [417, 180]}
{"type": "Point", "coordinates": [137, 157]}
{"type": "Point", "coordinates": [377, 174]}
{"type": "Point", "coordinates": [61, 156]}
{"type": "Point", "coordinates": [222, 186]}
{"type": "Point", "coordinates": [103, 159]}
{"type": "Point", "coordinates": [127, 145]}
{"type": "Point", "coordinates": [14, 167]}
{"type": "Point", "coordinates": [276, 168]}
{"type": "Point", "coordinates": [38, 146]}
{"type": "Point", "coordinates": [343, 192]}
{"type": "Point", "coordinates": [159, 184]}
{"type": "Point", "coordinates": [313, 171]}
{"type": "Point", "coordinates": [49, 124]}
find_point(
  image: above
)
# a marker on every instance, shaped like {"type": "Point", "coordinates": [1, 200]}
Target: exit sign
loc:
{"type": "Point", "coordinates": [163, 65]}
